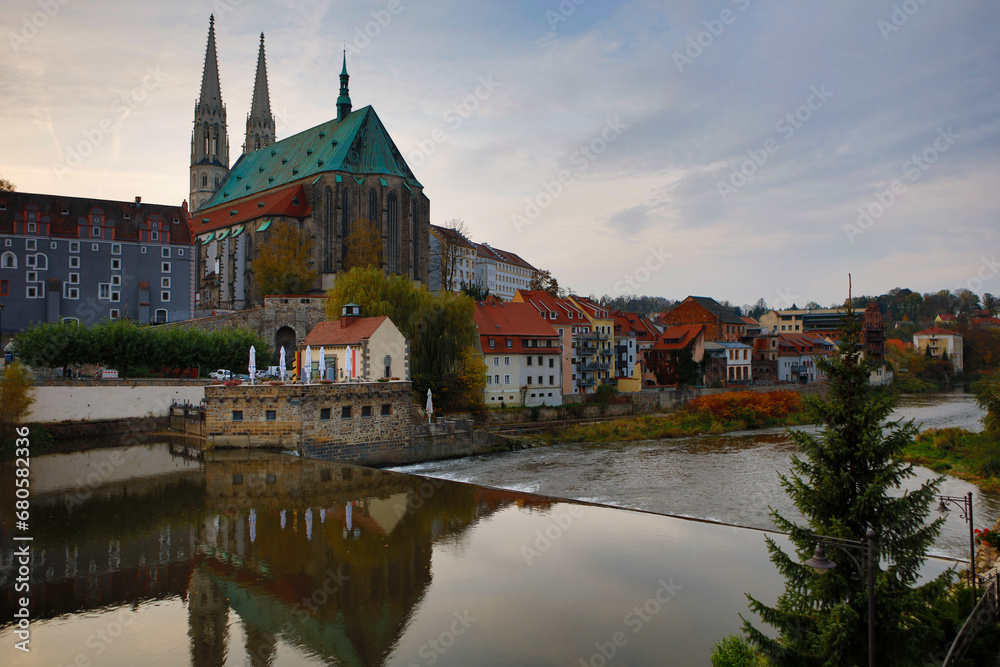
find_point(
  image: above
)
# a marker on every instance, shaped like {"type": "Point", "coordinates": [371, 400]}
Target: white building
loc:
{"type": "Point", "coordinates": [941, 341]}
{"type": "Point", "coordinates": [502, 271]}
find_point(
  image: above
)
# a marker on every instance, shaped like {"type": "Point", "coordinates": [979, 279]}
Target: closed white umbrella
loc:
{"type": "Point", "coordinates": [308, 365]}
{"type": "Point", "coordinates": [348, 366]}
{"type": "Point", "coordinates": [322, 364]}
{"type": "Point", "coordinates": [430, 405]}
{"type": "Point", "coordinates": [253, 363]}
{"type": "Point", "coordinates": [281, 363]}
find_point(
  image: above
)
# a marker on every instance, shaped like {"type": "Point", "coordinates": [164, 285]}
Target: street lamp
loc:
{"type": "Point", "coordinates": [965, 503]}
{"type": "Point", "coordinates": [822, 565]}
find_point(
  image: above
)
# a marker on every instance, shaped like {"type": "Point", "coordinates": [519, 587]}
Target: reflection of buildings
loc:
{"type": "Point", "coordinates": [331, 560]}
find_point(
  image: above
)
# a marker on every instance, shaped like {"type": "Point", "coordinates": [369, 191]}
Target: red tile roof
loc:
{"type": "Point", "coordinates": [626, 323]}
{"type": "Point", "coordinates": [545, 303]}
{"type": "Point", "coordinates": [895, 342]}
{"type": "Point", "coordinates": [948, 317]}
{"type": "Point", "coordinates": [333, 334]}
{"type": "Point", "coordinates": [290, 201]}
{"type": "Point", "coordinates": [516, 321]}
{"type": "Point", "coordinates": [937, 331]}
{"type": "Point", "coordinates": [801, 343]}
{"type": "Point", "coordinates": [678, 337]}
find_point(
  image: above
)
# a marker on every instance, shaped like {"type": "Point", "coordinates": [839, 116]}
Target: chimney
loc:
{"type": "Point", "coordinates": [138, 200]}
{"type": "Point", "coordinates": [348, 314]}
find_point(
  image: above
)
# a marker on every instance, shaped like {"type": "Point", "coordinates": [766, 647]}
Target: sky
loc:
{"type": "Point", "coordinates": [727, 148]}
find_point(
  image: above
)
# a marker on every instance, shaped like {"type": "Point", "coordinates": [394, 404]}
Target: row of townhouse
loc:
{"type": "Point", "coordinates": [456, 262]}
{"type": "Point", "coordinates": [539, 348]}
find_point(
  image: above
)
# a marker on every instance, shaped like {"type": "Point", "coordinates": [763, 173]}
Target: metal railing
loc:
{"type": "Point", "coordinates": [986, 611]}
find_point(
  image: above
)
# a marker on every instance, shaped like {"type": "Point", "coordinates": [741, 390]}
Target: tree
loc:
{"type": "Point", "coordinates": [991, 304]}
{"type": "Point", "coordinates": [7, 186]}
{"type": "Point", "coordinates": [987, 393]}
{"type": "Point", "coordinates": [283, 263]}
{"type": "Point", "coordinates": [843, 481]}
{"type": "Point", "coordinates": [364, 245]}
{"type": "Point", "coordinates": [15, 397]}
{"type": "Point", "coordinates": [446, 261]}
{"type": "Point", "coordinates": [543, 281]}
{"type": "Point", "coordinates": [475, 291]}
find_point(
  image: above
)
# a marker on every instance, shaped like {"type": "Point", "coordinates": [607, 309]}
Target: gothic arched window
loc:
{"type": "Point", "coordinates": [392, 231]}
{"type": "Point", "coordinates": [414, 244]}
{"type": "Point", "coordinates": [345, 219]}
{"type": "Point", "coordinates": [328, 229]}
{"type": "Point", "coordinates": [372, 205]}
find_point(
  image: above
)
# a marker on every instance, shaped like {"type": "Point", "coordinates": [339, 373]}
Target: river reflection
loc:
{"type": "Point", "coordinates": [274, 560]}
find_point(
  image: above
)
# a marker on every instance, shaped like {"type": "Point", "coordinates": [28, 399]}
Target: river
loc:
{"type": "Point", "coordinates": [730, 478]}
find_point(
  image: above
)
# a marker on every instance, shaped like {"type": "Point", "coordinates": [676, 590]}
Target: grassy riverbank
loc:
{"type": "Point", "coordinates": [974, 457]}
{"type": "Point", "coordinates": [718, 413]}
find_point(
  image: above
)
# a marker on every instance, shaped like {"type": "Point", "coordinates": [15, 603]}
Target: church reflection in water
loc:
{"type": "Point", "coordinates": [328, 559]}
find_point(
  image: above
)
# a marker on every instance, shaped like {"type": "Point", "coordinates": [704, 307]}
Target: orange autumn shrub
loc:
{"type": "Point", "coordinates": [748, 406]}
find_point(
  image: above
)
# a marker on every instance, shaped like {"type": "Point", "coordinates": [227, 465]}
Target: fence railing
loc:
{"type": "Point", "coordinates": [985, 612]}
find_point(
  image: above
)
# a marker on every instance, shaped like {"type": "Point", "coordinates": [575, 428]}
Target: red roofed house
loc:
{"type": "Point", "coordinates": [567, 320]}
{"type": "Point", "coordinates": [522, 355]}
{"type": "Point", "coordinates": [378, 349]}
{"type": "Point", "coordinates": [633, 336]}
{"type": "Point", "coordinates": [721, 324]}
{"type": "Point", "coordinates": [796, 354]}
{"type": "Point", "coordinates": [940, 341]}
{"type": "Point", "coordinates": [662, 359]}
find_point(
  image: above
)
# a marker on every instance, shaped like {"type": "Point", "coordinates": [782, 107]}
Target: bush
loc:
{"type": "Point", "coordinates": [15, 397]}
{"type": "Point", "coordinates": [749, 407]}
{"type": "Point", "coordinates": [735, 651]}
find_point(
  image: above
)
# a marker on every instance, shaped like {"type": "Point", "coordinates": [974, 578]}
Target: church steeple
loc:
{"type": "Point", "coordinates": [344, 101]}
{"type": "Point", "coordinates": [260, 121]}
{"type": "Point", "coordinates": [209, 140]}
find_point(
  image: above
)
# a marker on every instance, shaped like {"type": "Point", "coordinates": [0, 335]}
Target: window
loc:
{"type": "Point", "coordinates": [506, 361]}
{"type": "Point", "coordinates": [506, 379]}
{"type": "Point", "coordinates": [510, 343]}
{"type": "Point", "coordinates": [552, 379]}
{"type": "Point", "coordinates": [237, 415]}
{"type": "Point", "coordinates": [104, 291]}
{"type": "Point", "coordinates": [489, 379]}
{"type": "Point", "coordinates": [142, 250]}
{"type": "Point", "coordinates": [31, 292]}
{"type": "Point", "coordinates": [74, 279]}
{"type": "Point", "coordinates": [529, 379]}
{"type": "Point", "coordinates": [164, 267]}
{"type": "Point", "coordinates": [9, 260]}
{"type": "Point", "coordinates": [165, 297]}
{"type": "Point", "coordinates": [493, 343]}
{"type": "Point", "coordinates": [540, 381]}
{"type": "Point", "coordinates": [552, 363]}
{"type": "Point", "coordinates": [165, 253]}
{"type": "Point", "coordinates": [366, 411]}
{"type": "Point", "coordinates": [386, 409]}
{"type": "Point", "coordinates": [164, 283]}
{"type": "Point", "coordinates": [53, 245]}
{"type": "Point", "coordinates": [160, 316]}
{"type": "Point", "coordinates": [116, 264]}
{"type": "Point", "coordinates": [29, 261]}
{"type": "Point", "coordinates": [540, 361]}
{"type": "Point", "coordinates": [496, 379]}
{"type": "Point", "coordinates": [345, 412]}
{"type": "Point", "coordinates": [95, 232]}
{"type": "Point", "coordinates": [74, 246]}
{"type": "Point", "coordinates": [154, 236]}
{"type": "Point", "coordinates": [270, 415]}
{"type": "Point", "coordinates": [74, 262]}
{"type": "Point", "coordinates": [113, 313]}
{"type": "Point", "coordinates": [529, 360]}
{"type": "Point", "coordinates": [116, 248]}
{"type": "Point", "coordinates": [31, 276]}
{"type": "Point", "coordinates": [180, 252]}
{"type": "Point", "coordinates": [116, 296]}
{"type": "Point", "coordinates": [324, 414]}
{"type": "Point", "coordinates": [94, 247]}
{"type": "Point", "coordinates": [31, 228]}
{"type": "Point", "coordinates": [116, 281]}
{"type": "Point", "coordinates": [496, 361]}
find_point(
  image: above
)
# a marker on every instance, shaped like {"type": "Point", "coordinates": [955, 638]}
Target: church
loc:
{"type": "Point", "coordinates": [320, 182]}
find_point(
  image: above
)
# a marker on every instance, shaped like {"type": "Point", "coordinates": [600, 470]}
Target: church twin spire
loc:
{"type": "Point", "coordinates": [260, 121]}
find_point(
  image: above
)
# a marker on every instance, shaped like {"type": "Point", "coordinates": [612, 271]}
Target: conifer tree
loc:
{"type": "Point", "coordinates": [843, 481]}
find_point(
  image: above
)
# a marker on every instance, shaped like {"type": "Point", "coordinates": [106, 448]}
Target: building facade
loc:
{"type": "Point", "coordinates": [522, 355]}
{"type": "Point", "coordinates": [85, 260]}
{"type": "Point", "coordinates": [721, 324]}
{"type": "Point", "coordinates": [942, 343]}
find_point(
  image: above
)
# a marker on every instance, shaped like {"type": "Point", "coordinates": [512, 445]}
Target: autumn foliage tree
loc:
{"type": "Point", "coordinates": [364, 245]}
{"type": "Point", "coordinates": [283, 263]}
{"type": "Point", "coordinates": [7, 186]}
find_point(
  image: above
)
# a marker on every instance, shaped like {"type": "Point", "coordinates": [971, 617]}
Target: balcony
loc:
{"type": "Point", "coordinates": [593, 366]}
{"type": "Point", "coordinates": [800, 370]}
{"type": "Point", "coordinates": [593, 335]}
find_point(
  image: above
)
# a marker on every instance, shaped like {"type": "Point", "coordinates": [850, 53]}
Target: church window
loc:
{"type": "Point", "coordinates": [372, 205]}
{"type": "Point", "coordinates": [345, 224]}
{"type": "Point", "coordinates": [206, 141]}
{"type": "Point", "coordinates": [392, 224]}
{"type": "Point", "coordinates": [328, 229]}
{"type": "Point", "coordinates": [415, 244]}
{"type": "Point", "coordinates": [215, 142]}
{"type": "Point", "coordinates": [256, 142]}
{"type": "Point", "coordinates": [204, 180]}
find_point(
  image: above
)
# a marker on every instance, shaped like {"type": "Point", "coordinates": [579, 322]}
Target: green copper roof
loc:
{"type": "Point", "coordinates": [208, 238]}
{"type": "Point", "coordinates": [264, 225]}
{"type": "Point", "coordinates": [236, 232]}
{"type": "Point", "coordinates": [359, 144]}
